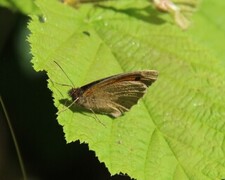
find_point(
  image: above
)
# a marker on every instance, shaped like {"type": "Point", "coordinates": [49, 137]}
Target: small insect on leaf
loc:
{"type": "Point", "coordinates": [115, 94]}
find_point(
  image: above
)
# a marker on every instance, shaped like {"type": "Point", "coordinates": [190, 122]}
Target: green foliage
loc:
{"type": "Point", "coordinates": [177, 130]}
{"type": "Point", "coordinates": [24, 6]}
{"type": "Point", "coordinates": [209, 28]}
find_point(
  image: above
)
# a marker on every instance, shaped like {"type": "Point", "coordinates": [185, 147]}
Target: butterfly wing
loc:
{"type": "Point", "coordinates": [116, 94]}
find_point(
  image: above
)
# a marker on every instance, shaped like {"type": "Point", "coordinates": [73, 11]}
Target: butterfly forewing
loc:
{"type": "Point", "coordinates": [116, 94]}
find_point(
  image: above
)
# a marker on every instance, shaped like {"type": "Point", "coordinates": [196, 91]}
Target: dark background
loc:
{"type": "Point", "coordinates": [30, 107]}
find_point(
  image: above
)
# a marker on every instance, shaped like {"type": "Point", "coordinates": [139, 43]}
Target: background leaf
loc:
{"type": "Point", "coordinates": [209, 28]}
{"type": "Point", "coordinates": [24, 6]}
{"type": "Point", "coordinates": [177, 131]}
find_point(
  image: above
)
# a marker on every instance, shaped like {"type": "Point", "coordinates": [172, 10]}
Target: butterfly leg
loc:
{"type": "Point", "coordinates": [97, 117]}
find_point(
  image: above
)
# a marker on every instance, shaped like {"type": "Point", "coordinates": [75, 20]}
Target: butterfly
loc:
{"type": "Point", "coordinates": [113, 95]}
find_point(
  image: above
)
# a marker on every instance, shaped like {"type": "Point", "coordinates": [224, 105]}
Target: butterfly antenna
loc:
{"type": "Point", "coordinates": [64, 73]}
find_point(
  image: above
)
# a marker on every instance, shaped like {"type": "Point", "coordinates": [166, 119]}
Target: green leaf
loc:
{"type": "Point", "coordinates": [209, 28]}
{"type": "Point", "coordinates": [177, 130]}
{"type": "Point", "coordinates": [24, 6]}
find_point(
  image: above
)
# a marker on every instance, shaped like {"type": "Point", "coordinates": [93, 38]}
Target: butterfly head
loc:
{"type": "Point", "coordinates": [75, 93]}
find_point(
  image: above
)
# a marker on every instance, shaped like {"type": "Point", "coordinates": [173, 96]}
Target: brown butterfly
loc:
{"type": "Point", "coordinates": [114, 95]}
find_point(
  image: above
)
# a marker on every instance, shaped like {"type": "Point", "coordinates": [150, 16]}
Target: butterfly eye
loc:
{"type": "Point", "coordinates": [137, 78]}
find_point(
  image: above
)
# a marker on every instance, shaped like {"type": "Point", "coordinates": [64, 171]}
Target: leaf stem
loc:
{"type": "Point", "coordinates": [14, 140]}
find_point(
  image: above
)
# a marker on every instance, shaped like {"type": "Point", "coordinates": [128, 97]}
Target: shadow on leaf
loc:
{"type": "Point", "coordinates": [151, 17]}
{"type": "Point", "coordinates": [76, 108]}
